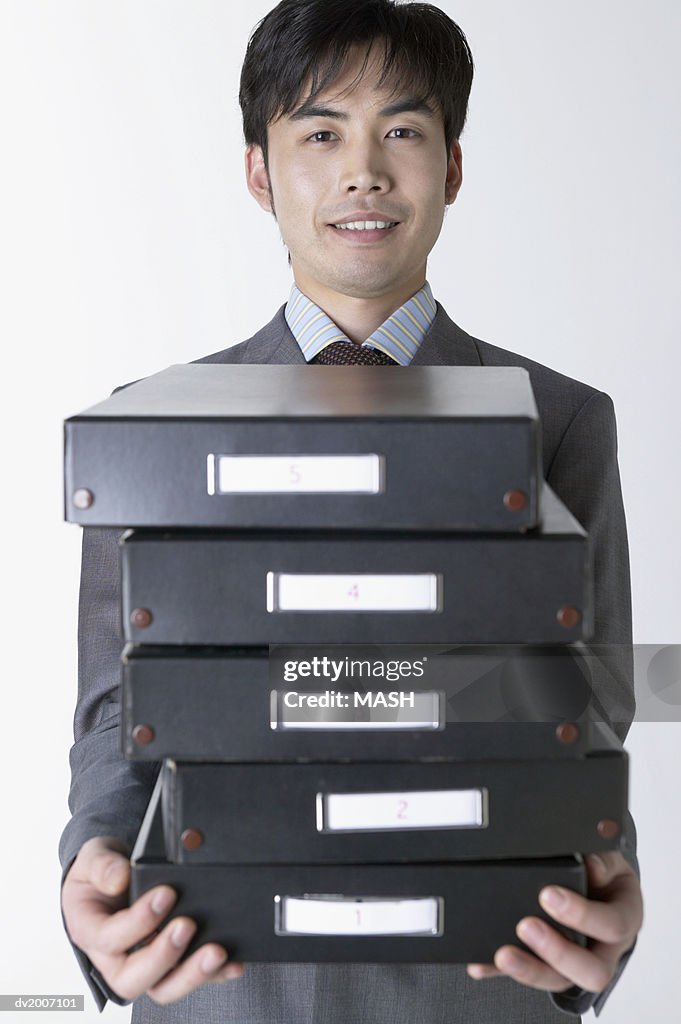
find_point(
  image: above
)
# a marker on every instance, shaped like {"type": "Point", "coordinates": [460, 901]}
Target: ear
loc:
{"type": "Point", "coordinates": [257, 178]}
{"type": "Point", "coordinates": [454, 177]}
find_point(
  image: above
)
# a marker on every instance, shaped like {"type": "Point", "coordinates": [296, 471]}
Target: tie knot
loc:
{"type": "Point", "coordinates": [344, 353]}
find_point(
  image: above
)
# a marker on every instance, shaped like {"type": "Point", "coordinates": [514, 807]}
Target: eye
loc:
{"type": "Point", "coordinates": [313, 138]}
{"type": "Point", "coordinates": [413, 133]}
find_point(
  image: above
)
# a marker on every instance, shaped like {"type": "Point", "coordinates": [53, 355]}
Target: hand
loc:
{"type": "Point", "coordinates": [610, 919]}
{"type": "Point", "coordinates": [99, 921]}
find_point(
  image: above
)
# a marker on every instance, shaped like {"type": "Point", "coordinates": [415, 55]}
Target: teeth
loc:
{"type": "Point", "coordinates": [366, 225]}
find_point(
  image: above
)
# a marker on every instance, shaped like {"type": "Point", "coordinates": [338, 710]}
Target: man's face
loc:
{"type": "Point", "coordinates": [350, 158]}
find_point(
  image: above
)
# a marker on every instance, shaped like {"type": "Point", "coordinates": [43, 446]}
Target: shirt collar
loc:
{"type": "Point", "coordinates": [399, 336]}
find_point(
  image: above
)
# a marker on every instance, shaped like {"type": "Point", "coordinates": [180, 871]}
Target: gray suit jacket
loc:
{"type": "Point", "coordinates": [108, 795]}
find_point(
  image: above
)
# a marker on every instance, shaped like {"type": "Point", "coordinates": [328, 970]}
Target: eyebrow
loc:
{"type": "Point", "coordinates": [406, 105]}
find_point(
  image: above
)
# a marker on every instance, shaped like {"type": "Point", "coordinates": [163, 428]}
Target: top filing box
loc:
{"type": "Point", "coordinates": [305, 447]}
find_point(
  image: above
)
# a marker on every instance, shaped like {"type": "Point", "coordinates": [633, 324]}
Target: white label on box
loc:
{"type": "Point", "coordinates": [360, 592]}
{"type": "Point", "coordinates": [295, 474]}
{"type": "Point", "coordinates": [352, 915]}
{"type": "Point", "coordinates": [438, 808]}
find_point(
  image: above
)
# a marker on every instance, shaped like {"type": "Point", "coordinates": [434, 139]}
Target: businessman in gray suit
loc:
{"type": "Point", "coordinates": [346, 108]}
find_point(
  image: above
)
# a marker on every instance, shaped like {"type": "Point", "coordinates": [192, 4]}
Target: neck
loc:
{"type": "Point", "coordinates": [358, 317]}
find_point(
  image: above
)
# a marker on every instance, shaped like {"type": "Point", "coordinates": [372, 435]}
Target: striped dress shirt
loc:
{"type": "Point", "coordinates": [398, 337]}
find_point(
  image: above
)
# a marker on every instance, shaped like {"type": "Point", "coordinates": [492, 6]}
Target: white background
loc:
{"type": "Point", "coordinates": [128, 241]}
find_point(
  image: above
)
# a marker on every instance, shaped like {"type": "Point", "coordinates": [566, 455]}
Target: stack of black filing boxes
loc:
{"type": "Point", "coordinates": [349, 601]}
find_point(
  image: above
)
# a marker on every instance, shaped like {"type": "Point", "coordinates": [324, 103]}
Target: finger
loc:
{"type": "Point", "coordinates": [591, 969]}
{"type": "Point", "coordinates": [202, 966]}
{"type": "Point", "coordinates": [528, 970]}
{"type": "Point", "coordinates": [140, 971]}
{"type": "Point", "coordinates": [114, 934]}
{"type": "Point", "coordinates": [615, 920]}
{"type": "Point", "coordinates": [479, 971]}
{"type": "Point", "coordinates": [229, 972]}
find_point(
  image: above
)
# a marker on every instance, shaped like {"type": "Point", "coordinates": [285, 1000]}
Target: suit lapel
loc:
{"type": "Point", "coordinates": [446, 344]}
{"type": "Point", "coordinates": [285, 348]}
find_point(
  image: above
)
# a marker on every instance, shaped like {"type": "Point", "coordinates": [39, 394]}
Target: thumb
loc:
{"type": "Point", "coordinates": [108, 868]}
{"type": "Point", "coordinates": [605, 867]}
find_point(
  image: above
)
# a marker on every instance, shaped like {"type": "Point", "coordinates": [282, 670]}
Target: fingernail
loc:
{"type": "Point", "coordinates": [182, 933]}
{"type": "Point", "coordinates": [213, 959]}
{"type": "Point", "coordinates": [598, 863]}
{"type": "Point", "coordinates": [531, 931]}
{"type": "Point", "coordinates": [474, 971]}
{"type": "Point", "coordinates": [163, 901]}
{"type": "Point", "coordinates": [553, 897]}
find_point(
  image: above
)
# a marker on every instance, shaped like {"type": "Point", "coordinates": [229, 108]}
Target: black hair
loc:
{"type": "Point", "coordinates": [426, 55]}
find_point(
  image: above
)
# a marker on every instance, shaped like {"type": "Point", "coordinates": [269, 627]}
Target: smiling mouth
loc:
{"type": "Point", "coordinates": [370, 225]}
{"type": "Point", "coordinates": [365, 234]}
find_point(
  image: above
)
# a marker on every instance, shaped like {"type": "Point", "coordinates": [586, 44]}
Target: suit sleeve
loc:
{"type": "Point", "coordinates": [584, 474]}
{"type": "Point", "coordinates": [108, 795]}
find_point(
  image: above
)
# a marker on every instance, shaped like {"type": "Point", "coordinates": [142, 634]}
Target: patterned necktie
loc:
{"type": "Point", "coordinates": [343, 353]}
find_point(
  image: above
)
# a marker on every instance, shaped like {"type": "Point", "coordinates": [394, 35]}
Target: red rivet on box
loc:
{"type": "Point", "coordinates": [568, 617]}
{"type": "Point", "coordinates": [515, 501]}
{"type": "Point", "coordinates": [567, 732]}
{"type": "Point", "coordinates": [607, 828]}
{"type": "Point", "coordinates": [143, 734]}
{"type": "Point", "coordinates": [191, 839]}
{"type": "Point", "coordinates": [82, 498]}
{"type": "Point", "coordinates": [141, 618]}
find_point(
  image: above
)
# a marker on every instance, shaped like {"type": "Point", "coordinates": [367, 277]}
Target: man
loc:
{"type": "Point", "coordinates": [352, 118]}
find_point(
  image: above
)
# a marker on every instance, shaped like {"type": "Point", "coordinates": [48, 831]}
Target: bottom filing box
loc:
{"type": "Point", "coordinates": [425, 913]}
{"type": "Point", "coordinates": [236, 704]}
{"type": "Point", "coordinates": [368, 813]}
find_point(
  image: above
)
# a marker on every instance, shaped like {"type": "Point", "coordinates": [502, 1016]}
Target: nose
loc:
{"type": "Point", "coordinates": [364, 169]}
